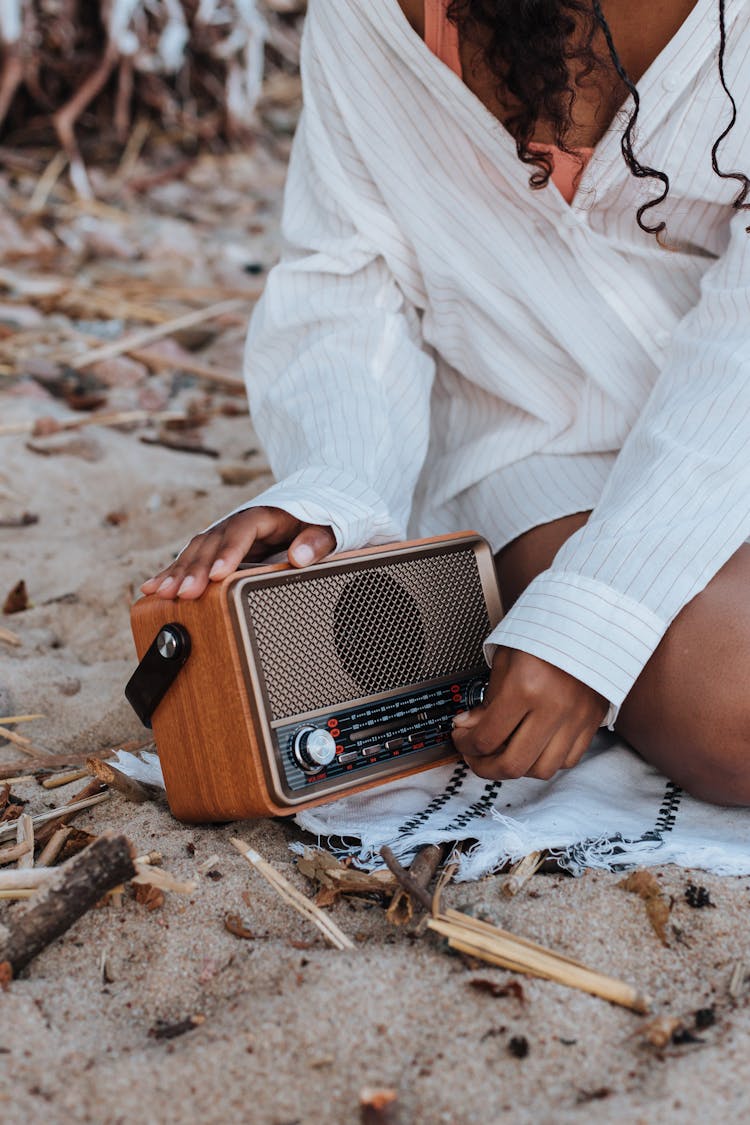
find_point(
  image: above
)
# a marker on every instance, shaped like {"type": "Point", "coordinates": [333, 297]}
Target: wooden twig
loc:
{"type": "Point", "coordinates": [74, 888]}
{"type": "Point", "coordinates": [7, 720]}
{"type": "Point", "coordinates": [335, 936]}
{"type": "Point", "coordinates": [499, 947]}
{"type": "Point", "coordinates": [104, 418]}
{"type": "Point", "coordinates": [21, 779]}
{"type": "Point", "coordinates": [24, 744]}
{"type": "Point", "coordinates": [410, 884]}
{"type": "Point", "coordinates": [158, 332]}
{"type": "Point", "coordinates": [29, 878]}
{"type": "Point", "coordinates": [130, 788]}
{"type": "Point", "coordinates": [62, 761]}
{"type": "Point", "coordinates": [20, 893]}
{"type": "Point", "coordinates": [54, 846]}
{"type": "Point", "coordinates": [67, 778]}
{"type": "Point", "coordinates": [422, 870]}
{"type": "Point", "coordinates": [521, 872]}
{"type": "Point", "coordinates": [156, 877]}
{"type": "Point", "coordinates": [8, 637]}
{"type": "Point", "coordinates": [14, 852]}
{"type": "Point", "coordinates": [739, 980]}
{"type": "Point", "coordinates": [25, 835]}
{"type": "Point", "coordinates": [9, 830]}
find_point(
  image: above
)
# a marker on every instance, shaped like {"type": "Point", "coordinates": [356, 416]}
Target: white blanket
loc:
{"type": "Point", "coordinates": [612, 811]}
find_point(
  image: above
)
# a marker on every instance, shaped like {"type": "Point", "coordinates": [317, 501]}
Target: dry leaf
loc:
{"type": "Point", "coordinates": [149, 896]}
{"type": "Point", "coordinates": [336, 878]}
{"type": "Point", "coordinates": [658, 905]}
{"type": "Point", "coordinates": [164, 1029]}
{"type": "Point", "coordinates": [17, 599]}
{"type": "Point", "coordinates": [494, 988]}
{"type": "Point", "coordinates": [234, 924]}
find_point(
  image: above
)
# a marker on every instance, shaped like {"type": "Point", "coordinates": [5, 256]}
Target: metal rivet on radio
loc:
{"type": "Point", "coordinates": [169, 643]}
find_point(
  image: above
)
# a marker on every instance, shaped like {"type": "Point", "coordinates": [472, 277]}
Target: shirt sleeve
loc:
{"type": "Point", "coordinates": [337, 374]}
{"type": "Point", "coordinates": [675, 507]}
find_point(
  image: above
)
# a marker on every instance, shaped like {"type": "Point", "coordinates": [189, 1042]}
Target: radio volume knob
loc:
{"type": "Point", "coordinates": [313, 748]}
{"type": "Point", "coordinates": [475, 693]}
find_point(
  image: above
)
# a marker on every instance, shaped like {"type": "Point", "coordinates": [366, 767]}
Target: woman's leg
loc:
{"type": "Point", "coordinates": [689, 710]}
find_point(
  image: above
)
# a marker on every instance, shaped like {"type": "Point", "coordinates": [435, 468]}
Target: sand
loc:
{"type": "Point", "coordinates": [292, 1029]}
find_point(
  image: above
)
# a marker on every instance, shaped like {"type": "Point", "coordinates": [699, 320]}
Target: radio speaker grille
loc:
{"type": "Point", "coordinates": [329, 639]}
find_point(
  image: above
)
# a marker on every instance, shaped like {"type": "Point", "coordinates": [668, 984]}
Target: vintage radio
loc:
{"type": "Point", "coordinates": [281, 688]}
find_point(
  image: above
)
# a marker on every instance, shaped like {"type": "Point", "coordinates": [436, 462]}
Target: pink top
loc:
{"type": "Point", "coordinates": [441, 36]}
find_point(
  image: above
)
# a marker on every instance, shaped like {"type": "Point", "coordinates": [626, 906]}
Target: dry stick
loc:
{"type": "Point", "coordinates": [6, 719]}
{"type": "Point", "coordinates": [290, 894]}
{"type": "Point", "coordinates": [14, 852]}
{"type": "Point", "coordinates": [28, 879]}
{"type": "Point", "coordinates": [20, 780]}
{"type": "Point", "coordinates": [7, 831]}
{"type": "Point", "coordinates": [490, 943]}
{"type": "Point", "coordinates": [738, 980]}
{"type": "Point", "coordinates": [60, 761]}
{"type": "Point", "coordinates": [415, 889]}
{"type": "Point", "coordinates": [58, 779]}
{"type": "Point", "coordinates": [105, 418]}
{"type": "Point", "coordinates": [204, 371]}
{"type": "Point", "coordinates": [74, 888]}
{"type": "Point", "coordinates": [158, 332]}
{"type": "Point", "coordinates": [521, 872]}
{"type": "Point", "coordinates": [16, 894]}
{"type": "Point", "coordinates": [155, 877]}
{"type": "Point", "coordinates": [422, 870]}
{"type": "Point", "coordinates": [46, 182]}
{"type": "Point", "coordinates": [8, 637]}
{"type": "Point", "coordinates": [54, 846]}
{"type": "Point", "coordinates": [21, 741]}
{"type": "Point", "coordinates": [25, 835]}
{"type": "Point", "coordinates": [130, 788]}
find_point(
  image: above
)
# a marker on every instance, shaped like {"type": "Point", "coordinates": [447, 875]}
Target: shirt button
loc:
{"type": "Point", "coordinates": [669, 82]}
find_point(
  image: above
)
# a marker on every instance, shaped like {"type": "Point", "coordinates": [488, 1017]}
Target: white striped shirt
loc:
{"type": "Point", "coordinates": [441, 347]}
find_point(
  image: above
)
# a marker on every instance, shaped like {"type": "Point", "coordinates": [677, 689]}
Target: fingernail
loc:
{"type": "Point", "coordinates": [165, 583]}
{"type": "Point", "coordinates": [461, 718]}
{"type": "Point", "coordinates": [303, 554]}
{"type": "Point", "coordinates": [216, 568]}
{"type": "Point", "coordinates": [186, 584]}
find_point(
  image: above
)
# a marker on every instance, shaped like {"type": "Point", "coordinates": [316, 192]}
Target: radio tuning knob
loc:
{"type": "Point", "coordinates": [313, 748]}
{"type": "Point", "coordinates": [475, 692]}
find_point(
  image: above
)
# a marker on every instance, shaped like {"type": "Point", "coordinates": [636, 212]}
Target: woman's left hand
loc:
{"type": "Point", "coordinates": [535, 720]}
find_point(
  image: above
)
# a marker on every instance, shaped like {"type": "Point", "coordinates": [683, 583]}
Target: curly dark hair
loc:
{"type": "Point", "coordinates": [532, 46]}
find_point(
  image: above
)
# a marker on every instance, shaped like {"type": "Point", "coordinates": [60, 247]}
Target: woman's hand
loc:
{"type": "Point", "coordinates": [253, 534]}
{"type": "Point", "coordinates": [535, 720]}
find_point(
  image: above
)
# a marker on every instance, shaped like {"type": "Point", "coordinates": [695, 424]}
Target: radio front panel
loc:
{"type": "Point", "coordinates": [357, 741]}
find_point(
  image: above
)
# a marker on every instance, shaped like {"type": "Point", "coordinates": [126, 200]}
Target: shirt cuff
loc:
{"type": "Point", "coordinates": [593, 632]}
{"type": "Point", "coordinates": [355, 512]}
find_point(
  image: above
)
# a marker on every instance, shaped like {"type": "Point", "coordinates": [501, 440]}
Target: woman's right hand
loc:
{"type": "Point", "coordinates": [252, 534]}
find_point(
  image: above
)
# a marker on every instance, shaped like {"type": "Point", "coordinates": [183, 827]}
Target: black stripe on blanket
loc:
{"type": "Point", "coordinates": [452, 788]}
{"type": "Point", "coordinates": [479, 808]}
{"type": "Point", "coordinates": [666, 818]}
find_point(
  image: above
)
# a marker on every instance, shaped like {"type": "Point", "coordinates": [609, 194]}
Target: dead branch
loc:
{"type": "Point", "coordinates": [76, 886]}
{"type": "Point", "coordinates": [422, 870]}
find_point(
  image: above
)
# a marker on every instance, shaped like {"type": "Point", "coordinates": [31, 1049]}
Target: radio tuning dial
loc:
{"type": "Point", "coordinates": [475, 693]}
{"type": "Point", "coordinates": [313, 748]}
